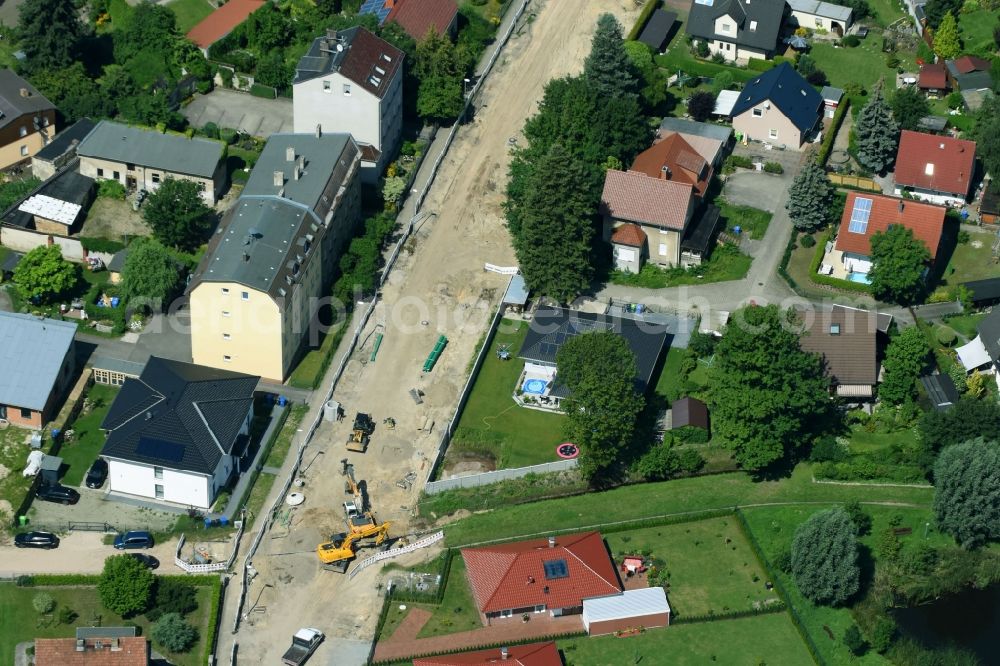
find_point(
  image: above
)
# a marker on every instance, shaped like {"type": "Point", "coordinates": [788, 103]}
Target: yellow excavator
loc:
{"type": "Point", "coordinates": [356, 510]}
{"type": "Point", "coordinates": [337, 553]}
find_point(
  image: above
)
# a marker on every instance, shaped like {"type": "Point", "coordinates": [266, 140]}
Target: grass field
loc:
{"type": "Point", "coordinates": [734, 581]}
{"type": "Point", "coordinates": [726, 263]}
{"type": "Point", "coordinates": [976, 31]}
{"type": "Point", "coordinates": [492, 423]}
{"type": "Point", "coordinates": [88, 438]}
{"type": "Point", "coordinates": [969, 262]}
{"type": "Point", "coordinates": [765, 639]}
{"type": "Point", "coordinates": [864, 64]}
{"type": "Point", "coordinates": [19, 621]}
{"type": "Point", "coordinates": [311, 368]}
{"type": "Point", "coordinates": [751, 221]}
{"type": "Point", "coordinates": [189, 12]}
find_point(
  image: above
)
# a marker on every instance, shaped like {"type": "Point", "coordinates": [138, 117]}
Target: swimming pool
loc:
{"type": "Point", "coordinates": [859, 277]}
{"type": "Point", "coordinates": [534, 386]}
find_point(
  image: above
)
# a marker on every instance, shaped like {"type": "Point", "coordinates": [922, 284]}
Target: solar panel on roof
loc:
{"type": "Point", "coordinates": [159, 449]}
{"type": "Point", "coordinates": [859, 215]}
{"type": "Point", "coordinates": [377, 7]}
{"type": "Point", "coordinates": [555, 569]}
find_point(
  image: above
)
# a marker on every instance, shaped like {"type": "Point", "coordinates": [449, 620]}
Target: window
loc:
{"type": "Point", "coordinates": [929, 169]}
{"type": "Point", "coordinates": [201, 186]}
{"type": "Point", "coordinates": [753, 26]}
{"type": "Point", "coordinates": [226, 336]}
{"type": "Point", "coordinates": [772, 133]}
{"type": "Point", "coordinates": [25, 413]}
{"type": "Point", "coordinates": [24, 151]}
{"type": "Point", "coordinates": [726, 27]}
{"type": "Point", "coordinates": [327, 87]}
{"type": "Point", "coordinates": [117, 175]}
{"type": "Point", "coordinates": [225, 313]}
{"type": "Point", "coordinates": [819, 22]}
{"type": "Point", "coordinates": [245, 295]}
{"type": "Point", "coordinates": [225, 291]}
{"type": "Point", "coordinates": [757, 113]}
{"type": "Point", "coordinates": [129, 166]}
{"type": "Point", "coordinates": [24, 130]}
{"type": "Point", "coordinates": [156, 177]}
{"type": "Point", "coordinates": [158, 491]}
{"type": "Point", "coordinates": [157, 472]}
{"type": "Point", "coordinates": [663, 249]}
{"type": "Point", "coordinates": [834, 329]}
{"type": "Point", "coordinates": [100, 173]}
{"type": "Point", "coordinates": [347, 89]}
{"type": "Point", "coordinates": [227, 358]}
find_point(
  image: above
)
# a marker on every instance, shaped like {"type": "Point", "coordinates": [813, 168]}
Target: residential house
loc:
{"type": "Point", "coordinates": [221, 22]}
{"type": "Point", "coordinates": [419, 17]}
{"type": "Point", "coordinates": [37, 360]}
{"type": "Point", "coordinates": [865, 215]}
{"type": "Point", "coordinates": [658, 30]}
{"type": "Point", "coordinates": [253, 297]}
{"type": "Point", "coordinates": [938, 169]}
{"type": "Point", "coordinates": [971, 75]}
{"type": "Point", "coordinates": [933, 79]}
{"type": "Point", "coordinates": [738, 29]}
{"type": "Point", "coordinates": [533, 654]}
{"type": "Point", "coordinates": [820, 16]}
{"type": "Point", "coordinates": [352, 81]}
{"type": "Point", "coordinates": [179, 432]}
{"type": "Point", "coordinates": [550, 328]}
{"type": "Point", "coordinates": [831, 100]}
{"type": "Point", "coordinates": [710, 141]}
{"type": "Point", "coordinates": [778, 107]}
{"type": "Point", "coordinates": [128, 650]}
{"type": "Point", "coordinates": [983, 353]}
{"type": "Point", "coordinates": [673, 158]}
{"type": "Point", "coordinates": [27, 119]}
{"type": "Point", "coordinates": [848, 341]}
{"type": "Point", "coordinates": [141, 159]}
{"type": "Point", "coordinates": [61, 150]}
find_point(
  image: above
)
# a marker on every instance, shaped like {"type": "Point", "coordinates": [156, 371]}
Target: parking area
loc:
{"type": "Point", "coordinates": [228, 108]}
{"type": "Point", "coordinates": [96, 507]}
{"type": "Point", "coordinates": [757, 189]}
{"type": "Point", "coordinates": [78, 552]}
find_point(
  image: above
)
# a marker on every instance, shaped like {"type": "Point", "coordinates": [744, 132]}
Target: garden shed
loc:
{"type": "Point", "coordinates": [646, 608]}
{"type": "Point", "coordinates": [689, 412]}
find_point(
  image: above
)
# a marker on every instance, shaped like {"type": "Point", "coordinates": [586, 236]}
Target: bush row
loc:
{"type": "Point", "coordinates": [214, 616]}
{"type": "Point", "coordinates": [729, 615]}
{"type": "Point", "coordinates": [838, 117]}
{"type": "Point", "coordinates": [864, 468]}
{"type": "Point", "coordinates": [359, 267]}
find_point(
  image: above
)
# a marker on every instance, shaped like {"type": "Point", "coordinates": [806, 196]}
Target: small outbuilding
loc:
{"type": "Point", "coordinates": [941, 391]}
{"type": "Point", "coordinates": [644, 608]}
{"type": "Point", "coordinates": [516, 296]}
{"type": "Point", "coordinates": [689, 412]}
{"type": "Point", "coordinates": [989, 206]}
{"type": "Point", "coordinates": [658, 30]}
{"type": "Point", "coordinates": [984, 292]}
{"type": "Point", "coordinates": [831, 100]}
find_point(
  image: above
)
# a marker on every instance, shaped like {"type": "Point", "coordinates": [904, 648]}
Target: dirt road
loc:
{"type": "Point", "coordinates": [78, 552]}
{"type": "Point", "coordinates": [438, 287]}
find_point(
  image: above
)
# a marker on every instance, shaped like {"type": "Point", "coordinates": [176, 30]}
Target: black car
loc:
{"type": "Point", "coordinates": [134, 539]}
{"type": "Point", "coordinates": [148, 561]}
{"type": "Point", "coordinates": [45, 540]}
{"type": "Point", "coordinates": [57, 493]}
{"type": "Point", "coordinates": [98, 473]}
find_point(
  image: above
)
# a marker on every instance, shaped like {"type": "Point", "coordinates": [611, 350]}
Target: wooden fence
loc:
{"type": "Point", "coordinates": [856, 182]}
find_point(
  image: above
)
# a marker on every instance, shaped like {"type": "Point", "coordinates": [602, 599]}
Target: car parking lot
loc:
{"type": "Point", "coordinates": [95, 506]}
{"type": "Point", "coordinates": [78, 552]}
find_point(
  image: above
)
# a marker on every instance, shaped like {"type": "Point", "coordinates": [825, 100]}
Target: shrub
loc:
{"type": "Point", "coordinates": [691, 435]}
{"type": "Point", "coordinates": [204, 87]}
{"type": "Point", "coordinates": [67, 615]}
{"type": "Point", "coordinates": [718, 58]}
{"type": "Point", "coordinates": [882, 633]}
{"type": "Point", "coordinates": [827, 449]}
{"type": "Point", "coordinates": [808, 240]}
{"type": "Point", "coordinates": [691, 461]}
{"type": "Point", "coordinates": [741, 161]}
{"type": "Point", "coordinates": [111, 189]}
{"type": "Point", "coordinates": [173, 633]}
{"type": "Point", "coordinates": [24, 581]}
{"type": "Point", "coordinates": [43, 603]}
{"type": "Point", "coordinates": [172, 595]}
{"type": "Point", "coordinates": [773, 167]}
{"type": "Point", "coordinates": [853, 640]}
{"type": "Point", "coordinates": [955, 100]}
{"type": "Point", "coordinates": [702, 49]}
{"type": "Point", "coordinates": [850, 41]}
{"type": "Point", "coordinates": [211, 130]}
{"type": "Point", "coordinates": [126, 584]}
{"type": "Point", "coordinates": [228, 135]}
{"type": "Point", "coordinates": [946, 336]}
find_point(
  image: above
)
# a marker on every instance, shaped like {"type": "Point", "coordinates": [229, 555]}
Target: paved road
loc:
{"type": "Point", "coordinates": [78, 552]}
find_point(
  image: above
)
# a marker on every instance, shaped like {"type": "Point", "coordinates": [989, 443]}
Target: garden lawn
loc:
{"type": "Point", "coordinates": [770, 639]}
{"type": "Point", "coordinates": [313, 365]}
{"type": "Point", "coordinates": [965, 324]}
{"type": "Point", "coordinates": [457, 611]}
{"type": "Point", "coordinates": [189, 12]}
{"type": "Point", "coordinates": [670, 385]}
{"type": "Point", "coordinates": [870, 442]}
{"type": "Point", "coordinates": [276, 456]}
{"type": "Point", "coordinates": [14, 447]}
{"type": "Point", "coordinates": [751, 221]}
{"type": "Point", "coordinates": [88, 438]}
{"type": "Point", "coordinates": [726, 263]}
{"type": "Point", "coordinates": [19, 622]}
{"type": "Point", "coordinates": [774, 528]}
{"type": "Point", "coordinates": [863, 64]}
{"type": "Point", "coordinates": [886, 12]}
{"type": "Point", "coordinates": [493, 424]}
{"type": "Point", "coordinates": [976, 30]}
{"type": "Point", "coordinates": [733, 582]}
{"type": "Point", "coordinates": [969, 262]}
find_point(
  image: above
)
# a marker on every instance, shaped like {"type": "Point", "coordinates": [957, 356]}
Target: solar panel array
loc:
{"type": "Point", "coordinates": [555, 569]}
{"type": "Point", "coordinates": [160, 449]}
{"type": "Point", "coordinates": [859, 215]}
{"type": "Point", "coordinates": [550, 345]}
{"type": "Point", "coordinates": [379, 8]}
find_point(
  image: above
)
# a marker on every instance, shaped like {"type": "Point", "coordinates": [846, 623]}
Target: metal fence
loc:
{"type": "Point", "coordinates": [486, 478]}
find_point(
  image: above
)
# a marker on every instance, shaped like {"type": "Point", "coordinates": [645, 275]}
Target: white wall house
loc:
{"type": "Point", "coordinates": [352, 81]}
{"type": "Point", "coordinates": [737, 29]}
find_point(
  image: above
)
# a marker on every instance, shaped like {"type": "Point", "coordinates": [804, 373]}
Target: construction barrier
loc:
{"type": "Point", "coordinates": [395, 552]}
{"type": "Point", "coordinates": [486, 478]}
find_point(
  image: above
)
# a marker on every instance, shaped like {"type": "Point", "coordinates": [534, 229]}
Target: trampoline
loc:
{"type": "Point", "coordinates": [534, 386]}
{"type": "Point", "coordinates": [567, 450]}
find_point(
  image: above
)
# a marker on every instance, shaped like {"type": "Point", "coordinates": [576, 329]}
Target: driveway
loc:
{"type": "Point", "coordinates": [95, 507]}
{"type": "Point", "coordinates": [78, 552]}
{"type": "Point", "coordinates": [228, 108]}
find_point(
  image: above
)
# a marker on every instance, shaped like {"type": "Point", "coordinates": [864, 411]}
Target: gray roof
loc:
{"type": "Point", "coordinates": [11, 261]}
{"type": "Point", "coordinates": [989, 332]}
{"type": "Point", "coordinates": [831, 94]}
{"type": "Point", "coordinates": [66, 140]}
{"type": "Point", "coordinates": [933, 123]}
{"type": "Point", "coordinates": [707, 130]}
{"type": "Point", "coordinates": [31, 357]}
{"type": "Point", "coordinates": [658, 28]}
{"type": "Point", "coordinates": [941, 391]}
{"type": "Point", "coordinates": [106, 632]}
{"type": "Point", "coordinates": [320, 156]}
{"type": "Point", "coordinates": [179, 415]}
{"type": "Point", "coordinates": [173, 153]}
{"type": "Point", "coordinates": [110, 364]}
{"type": "Point", "coordinates": [765, 14]}
{"type": "Point", "coordinates": [974, 81]}
{"type": "Point", "coordinates": [18, 98]}
{"type": "Point", "coordinates": [517, 291]}
{"type": "Point", "coordinates": [356, 54]}
{"type": "Point", "coordinates": [117, 263]}
{"type": "Point", "coordinates": [823, 9]}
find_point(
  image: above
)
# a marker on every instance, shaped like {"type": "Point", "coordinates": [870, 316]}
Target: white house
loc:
{"type": "Point", "coordinates": [737, 29]}
{"type": "Point", "coordinates": [819, 15]}
{"type": "Point", "coordinates": [179, 432]}
{"type": "Point", "coordinates": [352, 81]}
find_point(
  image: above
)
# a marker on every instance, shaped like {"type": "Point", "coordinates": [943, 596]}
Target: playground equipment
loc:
{"type": "Point", "coordinates": [435, 353]}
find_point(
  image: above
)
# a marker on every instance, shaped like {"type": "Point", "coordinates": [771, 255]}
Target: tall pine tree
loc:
{"type": "Point", "coordinates": [877, 132]}
{"type": "Point", "coordinates": [947, 44]}
{"type": "Point", "coordinates": [608, 69]}
{"type": "Point", "coordinates": [553, 243]}
{"type": "Point", "coordinates": [50, 32]}
{"type": "Point", "coordinates": [810, 198]}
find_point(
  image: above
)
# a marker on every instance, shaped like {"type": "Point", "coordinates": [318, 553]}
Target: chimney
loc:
{"type": "Point", "coordinates": [149, 415]}
{"type": "Point", "coordinates": [246, 257]}
{"type": "Point", "coordinates": [279, 178]}
{"type": "Point", "coordinates": [665, 173]}
{"type": "Point", "coordinates": [331, 34]}
{"type": "Point", "coordinates": [289, 154]}
{"type": "Point", "coordinates": [295, 172]}
{"type": "Point", "coordinates": [941, 146]}
{"type": "Point", "coordinates": [900, 205]}
{"type": "Point", "coordinates": [552, 542]}
{"type": "Point", "coordinates": [80, 645]}
{"type": "Point", "coordinates": [504, 653]}
{"type": "Point", "coordinates": [115, 645]}
{"type": "Point", "coordinates": [301, 161]}
{"type": "Point", "coordinates": [25, 92]}
{"type": "Point", "coordinates": [319, 131]}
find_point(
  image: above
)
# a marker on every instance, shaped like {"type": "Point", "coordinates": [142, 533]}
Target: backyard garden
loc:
{"type": "Point", "coordinates": [82, 446]}
{"type": "Point", "coordinates": [726, 263]}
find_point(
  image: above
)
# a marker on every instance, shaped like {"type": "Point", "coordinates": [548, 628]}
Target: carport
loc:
{"type": "Point", "coordinates": [646, 608]}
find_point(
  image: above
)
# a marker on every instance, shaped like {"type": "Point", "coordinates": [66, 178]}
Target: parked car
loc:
{"type": "Point", "coordinates": [148, 561]}
{"type": "Point", "coordinates": [57, 493]}
{"type": "Point", "coordinates": [98, 473]}
{"type": "Point", "coordinates": [131, 540]}
{"type": "Point", "coordinates": [45, 540]}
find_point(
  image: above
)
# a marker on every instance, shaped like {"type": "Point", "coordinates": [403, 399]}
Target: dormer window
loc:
{"type": "Point", "coordinates": [929, 169]}
{"type": "Point", "coordinates": [753, 26]}
{"type": "Point", "coordinates": [834, 329]}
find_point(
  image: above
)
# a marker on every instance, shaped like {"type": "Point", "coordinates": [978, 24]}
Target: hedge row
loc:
{"type": "Point", "coordinates": [824, 151]}
{"type": "Point", "coordinates": [863, 468]}
{"type": "Point", "coordinates": [101, 245]}
{"type": "Point", "coordinates": [63, 580]}
{"type": "Point", "coordinates": [837, 283]}
{"type": "Point", "coordinates": [214, 618]}
{"type": "Point", "coordinates": [640, 23]}
{"type": "Point", "coordinates": [729, 615]}
{"type": "Point", "coordinates": [267, 449]}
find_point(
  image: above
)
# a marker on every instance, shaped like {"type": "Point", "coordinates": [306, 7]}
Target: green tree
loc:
{"type": "Point", "coordinates": [273, 70]}
{"type": "Point", "coordinates": [935, 11]}
{"type": "Point", "coordinates": [392, 189]}
{"type": "Point", "coordinates": [909, 106]}
{"type": "Point", "coordinates": [172, 595]}
{"type": "Point", "coordinates": [43, 603]}
{"type": "Point", "coordinates": [701, 104]}
{"type": "Point", "coordinates": [75, 93]}
{"type": "Point", "coordinates": [43, 275]}
{"type": "Point", "coordinates": [599, 370]}
{"type": "Point", "coordinates": [810, 197]}
{"type": "Point", "coordinates": [862, 521]}
{"type": "Point", "coordinates": [177, 214]}
{"type": "Point", "coordinates": [766, 393]}
{"type": "Point", "coordinates": [125, 585]}
{"type": "Point", "coordinates": [150, 29]}
{"type": "Point", "coordinates": [877, 133]}
{"type": "Point", "coordinates": [149, 277]}
{"type": "Point", "coordinates": [825, 558]}
{"type": "Point", "coordinates": [173, 633]}
{"type": "Point", "coordinates": [854, 641]}
{"type": "Point", "coordinates": [607, 68]}
{"type": "Point", "coordinates": [50, 33]}
{"type": "Point", "coordinates": [947, 44]}
{"type": "Point", "coordinates": [899, 263]}
{"type": "Point", "coordinates": [968, 419]}
{"type": "Point", "coordinates": [553, 244]}
{"type": "Point", "coordinates": [268, 28]}
{"type": "Point", "coordinates": [904, 362]}
{"type": "Point", "coordinates": [986, 132]}
{"type": "Point", "coordinates": [441, 73]}
{"type": "Point", "coordinates": [722, 81]}
{"type": "Point", "coordinates": [967, 492]}
{"type": "Point", "coordinates": [653, 80]}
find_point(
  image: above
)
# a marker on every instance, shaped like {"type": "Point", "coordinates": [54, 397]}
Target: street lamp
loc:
{"type": "Point", "coordinates": [465, 87]}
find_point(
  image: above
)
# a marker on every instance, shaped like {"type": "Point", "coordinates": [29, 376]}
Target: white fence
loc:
{"type": "Point", "coordinates": [486, 478]}
{"type": "Point", "coordinates": [395, 552]}
{"type": "Point", "coordinates": [214, 566]}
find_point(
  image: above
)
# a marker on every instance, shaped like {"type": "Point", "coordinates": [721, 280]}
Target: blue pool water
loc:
{"type": "Point", "coordinates": [535, 386]}
{"type": "Point", "coordinates": [859, 277]}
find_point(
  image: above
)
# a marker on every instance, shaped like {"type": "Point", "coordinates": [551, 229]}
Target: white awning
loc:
{"type": "Point", "coordinates": [632, 603]}
{"type": "Point", "coordinates": [854, 390]}
{"type": "Point", "coordinates": [725, 102]}
{"type": "Point", "coordinates": [973, 355]}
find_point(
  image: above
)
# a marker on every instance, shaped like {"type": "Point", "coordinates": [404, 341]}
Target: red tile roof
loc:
{"type": "Point", "coordinates": [417, 17]}
{"type": "Point", "coordinates": [636, 197]}
{"type": "Point", "coordinates": [926, 222]}
{"type": "Point", "coordinates": [933, 77]}
{"type": "Point", "coordinates": [365, 53]}
{"type": "Point", "coordinates": [683, 163]}
{"type": "Point", "coordinates": [62, 652]}
{"type": "Point", "coordinates": [222, 21]}
{"type": "Point", "coordinates": [534, 654]}
{"type": "Point", "coordinates": [629, 234]}
{"type": "Point", "coordinates": [967, 64]}
{"type": "Point", "coordinates": [512, 575]}
{"type": "Point", "coordinates": [938, 163]}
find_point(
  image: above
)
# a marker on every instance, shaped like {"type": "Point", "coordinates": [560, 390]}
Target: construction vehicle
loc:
{"type": "Point", "coordinates": [356, 510]}
{"type": "Point", "coordinates": [364, 426]}
{"type": "Point", "coordinates": [337, 553]}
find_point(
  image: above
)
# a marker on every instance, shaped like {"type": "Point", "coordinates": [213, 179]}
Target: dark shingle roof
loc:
{"type": "Point", "coordinates": [658, 29]}
{"type": "Point", "coordinates": [367, 60]}
{"type": "Point", "coordinates": [941, 391]}
{"type": "Point", "coordinates": [766, 15]}
{"type": "Point", "coordinates": [18, 98]}
{"type": "Point", "coordinates": [689, 412]}
{"type": "Point", "coordinates": [846, 338]}
{"type": "Point", "coordinates": [700, 233]}
{"type": "Point", "coordinates": [787, 90]}
{"type": "Point", "coordinates": [66, 140]}
{"type": "Point", "coordinates": [178, 415]}
{"type": "Point", "coordinates": [989, 332]}
{"type": "Point", "coordinates": [983, 290]}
